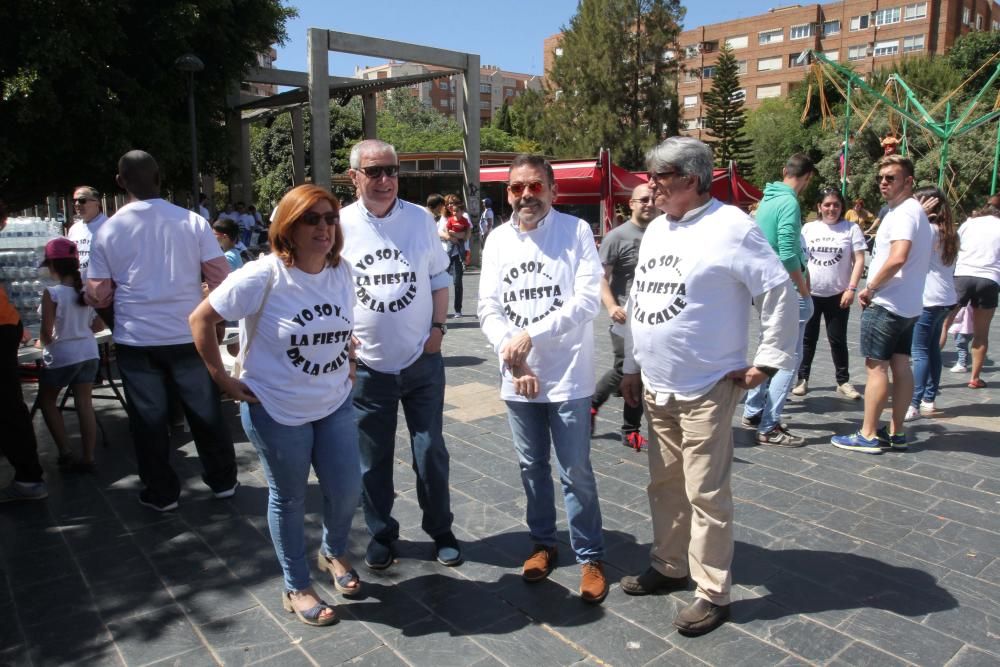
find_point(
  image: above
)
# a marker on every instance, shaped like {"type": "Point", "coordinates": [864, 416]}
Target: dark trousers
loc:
{"type": "Point", "coordinates": [827, 307]}
{"type": "Point", "coordinates": [150, 374]}
{"type": "Point", "coordinates": [420, 388]}
{"type": "Point", "coordinates": [17, 436]}
{"type": "Point", "coordinates": [457, 270]}
{"type": "Point", "coordinates": [608, 385]}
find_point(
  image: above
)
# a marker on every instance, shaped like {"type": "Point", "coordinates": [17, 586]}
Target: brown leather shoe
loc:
{"type": "Point", "coordinates": [593, 585]}
{"type": "Point", "coordinates": [539, 563]}
{"type": "Point", "coordinates": [652, 581]}
{"type": "Point", "coordinates": [700, 617]}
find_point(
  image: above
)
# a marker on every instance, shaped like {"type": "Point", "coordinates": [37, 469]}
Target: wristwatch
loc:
{"type": "Point", "coordinates": [440, 325]}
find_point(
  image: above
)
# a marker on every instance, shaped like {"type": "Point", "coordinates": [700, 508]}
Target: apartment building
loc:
{"type": "Point", "coordinates": [495, 87]}
{"type": "Point", "coordinates": [867, 34]}
{"type": "Point", "coordinates": [265, 60]}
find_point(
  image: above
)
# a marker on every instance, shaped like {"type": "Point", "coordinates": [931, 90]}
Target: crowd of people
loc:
{"type": "Point", "coordinates": [342, 322]}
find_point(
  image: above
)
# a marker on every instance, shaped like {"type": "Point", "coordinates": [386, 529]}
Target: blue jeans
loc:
{"type": "Point", "coordinates": [926, 354]}
{"type": "Point", "coordinates": [566, 426]}
{"type": "Point", "coordinates": [150, 375]}
{"type": "Point", "coordinates": [768, 398]}
{"type": "Point", "coordinates": [330, 446]}
{"type": "Point", "coordinates": [420, 388]}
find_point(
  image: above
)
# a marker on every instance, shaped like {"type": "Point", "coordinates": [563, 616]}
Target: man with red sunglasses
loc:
{"type": "Point", "coordinates": [539, 291]}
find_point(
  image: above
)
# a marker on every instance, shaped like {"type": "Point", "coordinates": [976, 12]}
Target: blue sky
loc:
{"type": "Point", "coordinates": [506, 33]}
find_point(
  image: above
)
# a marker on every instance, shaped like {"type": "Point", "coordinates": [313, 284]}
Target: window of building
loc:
{"type": "Point", "coordinates": [558, 51]}
{"type": "Point", "coordinates": [669, 55]}
{"type": "Point", "coordinates": [738, 42]}
{"type": "Point", "coordinates": [709, 47]}
{"type": "Point", "coordinates": [694, 123]}
{"type": "Point", "coordinates": [801, 31]}
{"type": "Point", "coordinates": [913, 43]}
{"type": "Point", "coordinates": [799, 59]}
{"type": "Point", "coordinates": [484, 104]}
{"type": "Point", "coordinates": [764, 92]}
{"type": "Point", "coordinates": [692, 51]}
{"type": "Point", "coordinates": [979, 21]}
{"type": "Point", "coordinates": [486, 88]}
{"type": "Point", "coordinates": [407, 165]}
{"type": "Point", "coordinates": [708, 72]}
{"type": "Point", "coordinates": [996, 25]}
{"type": "Point", "coordinates": [966, 15]}
{"type": "Point", "coordinates": [915, 12]}
{"type": "Point", "coordinates": [739, 95]}
{"type": "Point", "coordinates": [443, 85]}
{"type": "Point", "coordinates": [768, 64]}
{"type": "Point", "coordinates": [832, 55]}
{"type": "Point", "coordinates": [859, 22]}
{"type": "Point", "coordinates": [741, 67]}
{"type": "Point", "coordinates": [443, 102]}
{"type": "Point", "coordinates": [887, 16]}
{"type": "Point", "coordinates": [507, 92]}
{"type": "Point", "coordinates": [450, 164]}
{"type": "Point", "coordinates": [887, 48]}
{"type": "Point", "coordinates": [425, 165]}
{"type": "Point", "coordinates": [859, 52]}
{"type": "Point", "coordinates": [770, 36]}
{"type": "Point", "coordinates": [831, 27]}
{"type": "Point", "coordinates": [690, 100]}
{"type": "Point", "coordinates": [692, 74]}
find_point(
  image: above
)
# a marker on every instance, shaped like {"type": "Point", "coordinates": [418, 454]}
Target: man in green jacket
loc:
{"type": "Point", "coordinates": [780, 218]}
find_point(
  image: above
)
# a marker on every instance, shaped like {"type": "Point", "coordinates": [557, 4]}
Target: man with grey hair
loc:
{"type": "Point", "coordinates": [401, 276]}
{"type": "Point", "coordinates": [149, 260]}
{"type": "Point", "coordinates": [700, 263]}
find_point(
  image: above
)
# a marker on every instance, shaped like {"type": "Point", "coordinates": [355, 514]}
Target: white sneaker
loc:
{"type": "Point", "coordinates": [847, 390]}
{"type": "Point", "coordinates": [227, 493]}
{"type": "Point", "coordinates": [927, 409]}
{"type": "Point", "coordinates": [802, 388]}
{"type": "Point", "coordinates": [959, 368]}
{"type": "Point", "coordinates": [911, 414]}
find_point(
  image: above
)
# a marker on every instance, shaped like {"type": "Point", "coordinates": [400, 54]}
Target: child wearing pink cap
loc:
{"type": "Point", "coordinates": [70, 353]}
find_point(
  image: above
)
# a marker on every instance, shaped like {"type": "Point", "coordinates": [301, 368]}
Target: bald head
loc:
{"type": "Point", "coordinates": [139, 175]}
{"type": "Point", "coordinates": [642, 206]}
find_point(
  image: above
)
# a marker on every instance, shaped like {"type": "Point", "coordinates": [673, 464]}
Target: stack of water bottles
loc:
{"type": "Point", "coordinates": [22, 249]}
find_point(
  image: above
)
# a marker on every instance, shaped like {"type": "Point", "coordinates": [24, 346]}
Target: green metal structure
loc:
{"type": "Point", "coordinates": [945, 130]}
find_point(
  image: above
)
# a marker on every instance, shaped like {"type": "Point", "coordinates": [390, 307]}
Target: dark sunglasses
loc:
{"type": "Point", "coordinates": [377, 171]}
{"type": "Point", "coordinates": [534, 187]}
{"type": "Point", "coordinates": [888, 178]}
{"type": "Point", "coordinates": [663, 174]}
{"type": "Point", "coordinates": [313, 219]}
{"type": "Point", "coordinates": [643, 200]}
{"type": "Point", "coordinates": [83, 200]}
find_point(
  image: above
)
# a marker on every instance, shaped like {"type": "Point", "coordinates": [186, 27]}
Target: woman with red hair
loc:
{"type": "Point", "coordinates": [296, 307]}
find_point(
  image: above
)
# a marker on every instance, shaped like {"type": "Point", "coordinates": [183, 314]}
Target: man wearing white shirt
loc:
{"type": "Point", "coordinates": [539, 291]}
{"type": "Point", "coordinates": [892, 302]}
{"type": "Point", "coordinates": [401, 280]}
{"type": "Point", "coordinates": [90, 217]}
{"type": "Point", "coordinates": [149, 259]}
{"type": "Point", "coordinates": [700, 266]}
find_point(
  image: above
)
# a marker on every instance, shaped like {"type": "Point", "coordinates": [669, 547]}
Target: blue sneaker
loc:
{"type": "Point", "coordinates": [858, 443]}
{"type": "Point", "coordinates": [895, 441]}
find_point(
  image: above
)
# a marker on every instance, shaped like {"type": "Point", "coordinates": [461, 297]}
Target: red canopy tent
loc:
{"type": "Point", "coordinates": [601, 181]}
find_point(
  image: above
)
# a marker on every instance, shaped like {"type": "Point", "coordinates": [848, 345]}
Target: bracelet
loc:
{"type": "Point", "coordinates": [852, 289]}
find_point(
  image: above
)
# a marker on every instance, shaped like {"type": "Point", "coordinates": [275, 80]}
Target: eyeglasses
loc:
{"type": "Point", "coordinates": [643, 200]}
{"type": "Point", "coordinates": [312, 219]}
{"type": "Point", "coordinates": [888, 178]}
{"type": "Point", "coordinates": [376, 172]}
{"type": "Point", "coordinates": [660, 175]}
{"type": "Point", "coordinates": [83, 200]}
{"type": "Point", "coordinates": [534, 188]}
{"type": "Point", "coordinates": [829, 191]}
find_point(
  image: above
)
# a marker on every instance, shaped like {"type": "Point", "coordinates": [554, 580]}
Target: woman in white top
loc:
{"type": "Point", "coordinates": [70, 353]}
{"type": "Point", "coordinates": [297, 374]}
{"type": "Point", "coordinates": [836, 250]}
{"type": "Point", "coordinates": [977, 280]}
{"type": "Point", "coordinates": [939, 298]}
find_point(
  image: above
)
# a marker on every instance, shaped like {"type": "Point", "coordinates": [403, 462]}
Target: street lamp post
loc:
{"type": "Point", "coordinates": [191, 63]}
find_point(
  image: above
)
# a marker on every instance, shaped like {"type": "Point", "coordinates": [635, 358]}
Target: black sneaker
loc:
{"type": "Point", "coordinates": [751, 422]}
{"type": "Point", "coordinates": [378, 556]}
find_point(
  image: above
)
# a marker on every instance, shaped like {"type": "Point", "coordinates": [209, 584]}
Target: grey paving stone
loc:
{"type": "Point", "coordinates": [927, 548]}
{"type": "Point", "coordinates": [970, 657]}
{"type": "Point", "coordinates": [942, 474]}
{"type": "Point", "coordinates": [67, 594]}
{"type": "Point", "coordinates": [808, 639]}
{"type": "Point", "coordinates": [612, 640]}
{"type": "Point", "coordinates": [199, 657]}
{"type": "Point", "coordinates": [859, 654]}
{"type": "Point", "coordinates": [968, 624]}
{"type": "Point", "coordinates": [133, 596]}
{"type": "Point", "coordinates": [246, 637]}
{"type": "Point", "coordinates": [974, 592]}
{"type": "Point", "coordinates": [431, 641]}
{"type": "Point", "coordinates": [15, 656]}
{"type": "Point", "coordinates": [906, 480]}
{"type": "Point", "coordinates": [985, 541]}
{"type": "Point", "coordinates": [154, 636]}
{"type": "Point", "coordinates": [529, 645]}
{"type": "Point", "coordinates": [678, 657]}
{"type": "Point", "coordinates": [909, 641]}
{"type": "Point", "coordinates": [730, 645]}
{"type": "Point", "coordinates": [989, 502]}
{"type": "Point", "coordinates": [10, 630]}
{"type": "Point", "coordinates": [380, 657]}
{"type": "Point", "coordinates": [292, 658]}
{"type": "Point", "coordinates": [344, 641]}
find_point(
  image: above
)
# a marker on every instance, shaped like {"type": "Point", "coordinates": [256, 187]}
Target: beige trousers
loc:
{"type": "Point", "coordinates": [690, 497]}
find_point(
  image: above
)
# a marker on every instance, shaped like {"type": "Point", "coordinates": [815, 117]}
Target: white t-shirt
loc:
{"type": "Point", "coordinates": [396, 261]}
{"type": "Point", "coordinates": [81, 234]}
{"type": "Point", "coordinates": [153, 251]}
{"type": "Point", "coordinates": [297, 362]}
{"type": "Point", "coordinates": [979, 252]}
{"type": "Point", "coordinates": [830, 249]}
{"type": "Point", "coordinates": [939, 288]}
{"type": "Point", "coordinates": [245, 221]}
{"type": "Point", "coordinates": [72, 339]}
{"type": "Point", "coordinates": [689, 308]}
{"type": "Point", "coordinates": [903, 293]}
{"type": "Point", "coordinates": [546, 281]}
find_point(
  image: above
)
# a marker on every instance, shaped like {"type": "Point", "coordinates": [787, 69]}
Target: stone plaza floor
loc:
{"type": "Point", "coordinates": [841, 558]}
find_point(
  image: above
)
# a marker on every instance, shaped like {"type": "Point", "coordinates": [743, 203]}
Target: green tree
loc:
{"type": "Point", "coordinates": [724, 114]}
{"type": "Point", "coordinates": [527, 116]}
{"type": "Point", "coordinates": [615, 82]}
{"type": "Point", "coordinates": [775, 132]}
{"type": "Point", "coordinates": [410, 126]}
{"type": "Point", "coordinates": [502, 119]}
{"type": "Point", "coordinates": [969, 55]}
{"type": "Point", "coordinates": [83, 82]}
